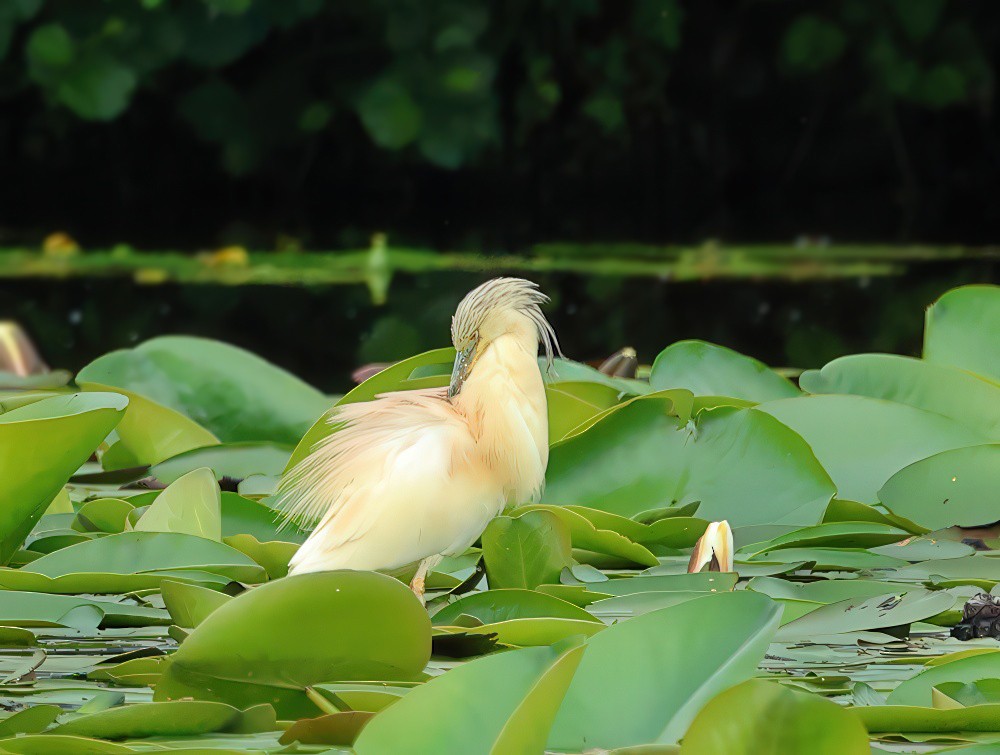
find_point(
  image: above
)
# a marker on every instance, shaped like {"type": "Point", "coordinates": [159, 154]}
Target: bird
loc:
{"type": "Point", "coordinates": [414, 476]}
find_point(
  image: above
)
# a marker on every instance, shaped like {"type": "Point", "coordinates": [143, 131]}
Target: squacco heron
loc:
{"type": "Point", "coordinates": [414, 476]}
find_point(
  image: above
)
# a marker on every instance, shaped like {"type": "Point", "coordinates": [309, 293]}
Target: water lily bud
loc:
{"type": "Point", "coordinates": [714, 549]}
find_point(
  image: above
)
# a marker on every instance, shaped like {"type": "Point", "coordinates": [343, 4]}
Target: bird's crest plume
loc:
{"type": "Point", "coordinates": [505, 293]}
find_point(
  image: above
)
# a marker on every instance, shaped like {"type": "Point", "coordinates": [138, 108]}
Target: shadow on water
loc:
{"type": "Point", "coordinates": [323, 332]}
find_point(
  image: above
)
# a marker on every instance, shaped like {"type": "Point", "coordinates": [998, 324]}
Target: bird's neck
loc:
{"type": "Point", "coordinates": [503, 400]}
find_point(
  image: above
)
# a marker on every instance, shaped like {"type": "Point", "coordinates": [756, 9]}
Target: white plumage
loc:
{"type": "Point", "coordinates": [416, 475]}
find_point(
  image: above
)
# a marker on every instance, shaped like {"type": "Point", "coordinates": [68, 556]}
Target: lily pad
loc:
{"type": "Point", "coordinates": [960, 395]}
{"type": "Point", "coordinates": [960, 330]}
{"type": "Point", "coordinates": [525, 689]}
{"type": "Point", "coordinates": [706, 369]}
{"type": "Point", "coordinates": [277, 639]}
{"type": "Point", "coordinates": [525, 551]}
{"type": "Point", "coordinates": [863, 441]}
{"type": "Point", "coordinates": [235, 395]}
{"type": "Point", "coordinates": [741, 464]}
{"type": "Point", "coordinates": [502, 605]}
{"type": "Point", "coordinates": [189, 605]}
{"type": "Point", "coordinates": [949, 488]}
{"type": "Point", "coordinates": [643, 680]}
{"type": "Point", "coordinates": [44, 443]}
{"type": "Point", "coordinates": [183, 718]}
{"type": "Point", "coordinates": [764, 718]}
{"type": "Point", "coordinates": [190, 506]}
{"type": "Point", "coordinates": [233, 460]}
{"type": "Point", "coordinates": [917, 691]}
{"type": "Point", "coordinates": [890, 609]}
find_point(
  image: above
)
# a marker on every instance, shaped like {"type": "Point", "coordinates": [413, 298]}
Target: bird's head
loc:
{"type": "Point", "coordinates": [496, 308]}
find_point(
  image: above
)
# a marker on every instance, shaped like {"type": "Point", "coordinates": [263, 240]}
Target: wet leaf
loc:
{"type": "Point", "coordinates": [949, 488]}
{"type": "Point", "coordinates": [954, 331]}
{"type": "Point", "coordinates": [230, 392]}
{"type": "Point", "coordinates": [706, 369]}
{"type": "Point", "coordinates": [643, 680]}
{"type": "Point", "coordinates": [764, 718]}
{"type": "Point", "coordinates": [525, 690]}
{"type": "Point", "coordinates": [44, 443]}
{"type": "Point", "coordinates": [739, 463]}
{"type": "Point", "coordinates": [525, 551]}
{"type": "Point", "coordinates": [863, 441]}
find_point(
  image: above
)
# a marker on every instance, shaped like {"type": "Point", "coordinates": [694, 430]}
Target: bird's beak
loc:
{"type": "Point", "coordinates": [463, 365]}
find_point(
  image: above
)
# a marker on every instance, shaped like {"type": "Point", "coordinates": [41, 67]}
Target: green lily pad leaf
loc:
{"type": "Point", "coordinates": [702, 582]}
{"type": "Point", "coordinates": [741, 464]}
{"type": "Point", "coordinates": [626, 606]}
{"type": "Point", "coordinates": [841, 510]}
{"type": "Point", "coordinates": [273, 555]}
{"type": "Point", "coordinates": [674, 531]}
{"type": "Point", "coordinates": [567, 370]}
{"type": "Point", "coordinates": [525, 551]}
{"type": "Point", "coordinates": [706, 369]}
{"type": "Point", "coordinates": [44, 443]}
{"type": "Point", "coordinates": [362, 697]}
{"type": "Point", "coordinates": [835, 535]}
{"type": "Point", "coordinates": [965, 668]}
{"type": "Point", "coordinates": [277, 639]}
{"type": "Point", "coordinates": [183, 718]}
{"type": "Point", "coordinates": [978, 566]}
{"type": "Point", "coordinates": [57, 744]}
{"type": "Point", "coordinates": [526, 687]}
{"type": "Point", "coordinates": [586, 535]}
{"type": "Point", "coordinates": [149, 432]}
{"type": "Point", "coordinates": [505, 604]}
{"type": "Point", "coordinates": [189, 506]}
{"type": "Point", "coordinates": [962, 396]}
{"type": "Point", "coordinates": [909, 718]}
{"type": "Point", "coordinates": [889, 609]}
{"type": "Point", "coordinates": [108, 515]}
{"type": "Point", "coordinates": [137, 552]}
{"type": "Point", "coordinates": [234, 460]}
{"type": "Point", "coordinates": [235, 395]}
{"type": "Point", "coordinates": [242, 516]}
{"type": "Point", "coordinates": [949, 488]}
{"type": "Point", "coordinates": [538, 630]}
{"type": "Point", "coordinates": [831, 559]}
{"type": "Point", "coordinates": [925, 549]}
{"type": "Point", "coordinates": [676, 665]}
{"type": "Point", "coordinates": [30, 720]}
{"type": "Point", "coordinates": [30, 609]}
{"type": "Point", "coordinates": [138, 672]}
{"type": "Point", "coordinates": [824, 590]}
{"type": "Point", "coordinates": [960, 330]}
{"type": "Point", "coordinates": [189, 605]}
{"type": "Point", "coordinates": [401, 376]}
{"type": "Point", "coordinates": [95, 583]}
{"type": "Point", "coordinates": [764, 718]}
{"type": "Point", "coordinates": [16, 637]}
{"type": "Point", "coordinates": [571, 404]}
{"type": "Point", "coordinates": [337, 729]}
{"type": "Point", "coordinates": [863, 441]}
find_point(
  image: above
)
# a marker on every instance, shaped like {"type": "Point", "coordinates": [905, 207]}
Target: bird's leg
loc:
{"type": "Point", "coordinates": [417, 583]}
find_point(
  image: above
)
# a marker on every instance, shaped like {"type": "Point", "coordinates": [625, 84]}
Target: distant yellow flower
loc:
{"type": "Point", "coordinates": [59, 244]}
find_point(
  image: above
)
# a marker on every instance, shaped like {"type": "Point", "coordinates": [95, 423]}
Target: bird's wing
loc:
{"type": "Point", "coordinates": [338, 483]}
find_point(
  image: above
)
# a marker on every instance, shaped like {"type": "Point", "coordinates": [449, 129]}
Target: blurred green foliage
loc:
{"type": "Point", "coordinates": [443, 82]}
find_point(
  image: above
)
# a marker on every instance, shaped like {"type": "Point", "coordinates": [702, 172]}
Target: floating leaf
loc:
{"type": "Point", "coordinates": [862, 441]}
{"type": "Point", "coordinates": [643, 680]}
{"type": "Point", "coordinates": [108, 515]}
{"type": "Point", "coordinates": [764, 718]}
{"type": "Point", "coordinates": [525, 689]}
{"type": "Point", "coordinates": [183, 718]}
{"type": "Point", "coordinates": [232, 393]}
{"type": "Point", "coordinates": [960, 330]}
{"type": "Point", "coordinates": [709, 370]}
{"type": "Point", "coordinates": [741, 464]}
{"type": "Point", "coordinates": [270, 643]}
{"type": "Point", "coordinates": [965, 668]}
{"type": "Point", "coordinates": [504, 604]}
{"type": "Point", "coordinates": [525, 551]}
{"type": "Point", "coordinates": [189, 605]}
{"type": "Point", "coordinates": [150, 432]}
{"type": "Point", "coordinates": [890, 609]}
{"type": "Point", "coordinates": [962, 396]}
{"type": "Point", "coordinates": [234, 460]}
{"type": "Point", "coordinates": [835, 535]}
{"type": "Point", "coordinates": [949, 488]}
{"type": "Point", "coordinates": [44, 443]}
{"type": "Point", "coordinates": [189, 506]}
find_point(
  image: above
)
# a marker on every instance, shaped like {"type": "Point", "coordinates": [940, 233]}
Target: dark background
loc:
{"type": "Point", "coordinates": [487, 126]}
{"type": "Point", "coordinates": [492, 126]}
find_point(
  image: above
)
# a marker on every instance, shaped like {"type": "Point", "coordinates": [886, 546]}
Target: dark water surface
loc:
{"type": "Point", "coordinates": [322, 333]}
